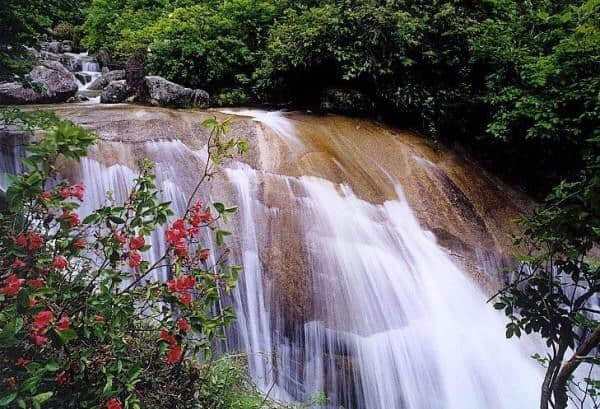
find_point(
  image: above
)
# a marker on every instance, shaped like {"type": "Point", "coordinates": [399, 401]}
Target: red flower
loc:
{"type": "Point", "coordinates": [136, 243]}
{"type": "Point", "coordinates": [64, 192]}
{"type": "Point", "coordinates": [167, 337]}
{"type": "Point", "coordinates": [21, 240]}
{"type": "Point", "coordinates": [113, 403]}
{"type": "Point", "coordinates": [18, 263]}
{"type": "Point", "coordinates": [32, 301]}
{"type": "Point", "coordinates": [177, 232]}
{"type": "Point", "coordinates": [71, 218]}
{"type": "Point", "coordinates": [42, 320]}
{"type": "Point", "coordinates": [174, 354]}
{"type": "Point", "coordinates": [22, 361]}
{"type": "Point", "coordinates": [204, 254]}
{"type": "Point", "coordinates": [61, 378]}
{"type": "Point", "coordinates": [13, 285]}
{"type": "Point", "coordinates": [198, 216]}
{"type": "Point", "coordinates": [134, 259]}
{"type": "Point", "coordinates": [183, 283]}
{"type": "Point", "coordinates": [183, 325]}
{"type": "Point", "coordinates": [77, 191]}
{"type": "Point", "coordinates": [63, 324]}
{"type": "Point", "coordinates": [35, 241]}
{"type": "Point", "coordinates": [39, 339]}
{"type": "Point", "coordinates": [185, 298]}
{"type": "Point", "coordinates": [59, 263]}
{"type": "Point", "coordinates": [181, 248]}
{"type": "Point", "coordinates": [99, 318]}
{"type": "Point", "coordinates": [73, 191]}
{"type": "Point", "coordinates": [46, 195]}
{"type": "Point", "coordinates": [120, 239]}
{"type": "Point", "coordinates": [35, 282]}
{"type": "Point", "coordinates": [79, 244]}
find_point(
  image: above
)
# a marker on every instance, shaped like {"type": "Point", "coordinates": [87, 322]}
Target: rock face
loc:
{"type": "Point", "coordinates": [114, 93]}
{"type": "Point", "coordinates": [168, 94]}
{"type": "Point", "coordinates": [346, 102]}
{"type": "Point", "coordinates": [102, 82]}
{"type": "Point", "coordinates": [50, 86]}
{"type": "Point", "coordinates": [71, 61]}
{"type": "Point", "coordinates": [55, 65]}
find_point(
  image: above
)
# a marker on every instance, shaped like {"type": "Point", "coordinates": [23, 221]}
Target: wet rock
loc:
{"type": "Point", "coordinates": [135, 77]}
{"type": "Point", "coordinates": [347, 102]}
{"type": "Point", "coordinates": [49, 86]}
{"type": "Point", "coordinates": [76, 99]}
{"type": "Point", "coordinates": [114, 93]}
{"type": "Point", "coordinates": [83, 77]}
{"type": "Point", "coordinates": [168, 94]}
{"type": "Point", "coordinates": [55, 65]}
{"type": "Point", "coordinates": [47, 55]}
{"type": "Point", "coordinates": [71, 61]}
{"type": "Point", "coordinates": [67, 46]}
{"type": "Point", "coordinates": [52, 46]}
{"type": "Point", "coordinates": [102, 82]}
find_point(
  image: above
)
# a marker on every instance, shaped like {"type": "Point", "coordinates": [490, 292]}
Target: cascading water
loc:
{"type": "Point", "coordinates": [392, 323]}
{"type": "Point", "coordinates": [399, 325]}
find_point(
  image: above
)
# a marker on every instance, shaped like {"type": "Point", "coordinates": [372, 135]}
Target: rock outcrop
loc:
{"type": "Point", "coordinates": [114, 93]}
{"type": "Point", "coordinates": [48, 86]}
{"type": "Point", "coordinates": [102, 82]}
{"type": "Point", "coordinates": [168, 94]}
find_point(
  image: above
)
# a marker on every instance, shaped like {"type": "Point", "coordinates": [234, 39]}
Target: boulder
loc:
{"type": "Point", "coordinates": [347, 102]}
{"type": "Point", "coordinates": [76, 99]}
{"type": "Point", "coordinates": [100, 83]}
{"type": "Point", "coordinates": [49, 86]}
{"type": "Point", "coordinates": [52, 46]}
{"type": "Point", "coordinates": [115, 92]}
{"type": "Point", "coordinates": [47, 55]}
{"type": "Point", "coordinates": [55, 65]}
{"type": "Point", "coordinates": [83, 77]}
{"type": "Point", "coordinates": [71, 61]}
{"type": "Point", "coordinates": [66, 46]}
{"type": "Point", "coordinates": [168, 94]}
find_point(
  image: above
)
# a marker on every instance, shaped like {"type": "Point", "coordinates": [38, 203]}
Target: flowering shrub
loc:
{"type": "Point", "coordinates": [82, 325]}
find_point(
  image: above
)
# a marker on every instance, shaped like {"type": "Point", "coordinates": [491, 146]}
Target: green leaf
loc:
{"type": "Point", "coordinates": [92, 218]}
{"type": "Point", "coordinates": [52, 366]}
{"type": "Point", "coordinates": [66, 335]}
{"type": "Point", "coordinates": [42, 397]}
{"type": "Point", "coordinates": [220, 235]}
{"type": "Point", "coordinates": [8, 399]}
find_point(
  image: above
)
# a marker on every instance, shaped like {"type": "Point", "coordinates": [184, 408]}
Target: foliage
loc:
{"type": "Point", "coordinates": [22, 23]}
{"type": "Point", "coordinates": [82, 324]}
{"type": "Point", "coordinates": [555, 291]}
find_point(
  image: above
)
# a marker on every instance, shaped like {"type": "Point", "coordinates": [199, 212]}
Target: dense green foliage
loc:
{"type": "Point", "coordinates": [517, 82]}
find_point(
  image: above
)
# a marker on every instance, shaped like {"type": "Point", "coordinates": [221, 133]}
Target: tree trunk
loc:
{"type": "Point", "coordinates": [560, 384]}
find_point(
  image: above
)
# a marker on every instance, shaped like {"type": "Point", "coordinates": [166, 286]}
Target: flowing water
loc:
{"type": "Point", "coordinates": [339, 294]}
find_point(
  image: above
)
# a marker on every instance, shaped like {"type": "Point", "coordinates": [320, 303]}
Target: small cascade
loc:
{"type": "Point", "coordinates": [90, 71]}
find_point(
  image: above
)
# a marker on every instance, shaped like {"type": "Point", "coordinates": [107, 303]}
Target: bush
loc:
{"type": "Point", "coordinates": [82, 325]}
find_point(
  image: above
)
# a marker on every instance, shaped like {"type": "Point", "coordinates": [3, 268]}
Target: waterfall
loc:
{"type": "Point", "coordinates": [338, 295]}
{"type": "Point", "coordinates": [414, 329]}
